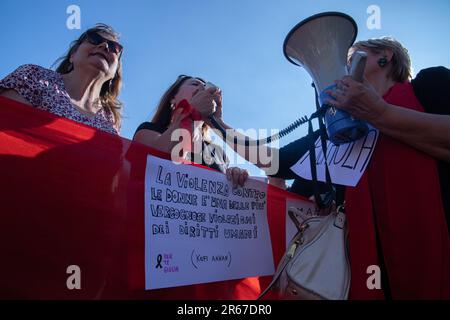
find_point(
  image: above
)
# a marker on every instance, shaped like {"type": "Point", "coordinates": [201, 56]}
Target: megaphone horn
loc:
{"type": "Point", "coordinates": [320, 44]}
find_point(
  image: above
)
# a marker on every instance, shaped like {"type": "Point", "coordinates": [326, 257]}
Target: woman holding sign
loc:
{"type": "Point", "coordinates": [181, 113]}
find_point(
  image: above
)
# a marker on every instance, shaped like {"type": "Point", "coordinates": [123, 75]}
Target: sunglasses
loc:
{"type": "Point", "coordinates": [96, 39]}
{"type": "Point", "coordinates": [183, 77]}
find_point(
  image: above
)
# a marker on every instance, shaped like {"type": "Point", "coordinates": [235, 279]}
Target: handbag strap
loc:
{"type": "Point", "coordinates": [284, 262]}
{"type": "Point", "coordinates": [330, 195]}
{"type": "Point", "coordinates": [333, 194]}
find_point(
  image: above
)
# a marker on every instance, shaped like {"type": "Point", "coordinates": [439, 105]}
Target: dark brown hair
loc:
{"type": "Point", "coordinates": [110, 89]}
{"type": "Point", "coordinates": [163, 112]}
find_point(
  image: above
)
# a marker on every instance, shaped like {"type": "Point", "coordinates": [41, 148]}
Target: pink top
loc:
{"type": "Point", "coordinates": [45, 90]}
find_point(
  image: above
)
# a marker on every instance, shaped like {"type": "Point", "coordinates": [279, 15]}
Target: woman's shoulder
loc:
{"type": "Point", "coordinates": [30, 81]}
{"type": "Point", "coordinates": [33, 71]}
{"type": "Point", "coordinates": [151, 126]}
{"type": "Point", "coordinates": [430, 79]}
{"type": "Point", "coordinates": [29, 75]}
{"type": "Point", "coordinates": [30, 67]}
{"type": "Point", "coordinates": [431, 88]}
{"type": "Point", "coordinates": [437, 73]}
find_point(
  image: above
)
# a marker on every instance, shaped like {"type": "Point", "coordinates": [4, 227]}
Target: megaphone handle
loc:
{"type": "Point", "coordinates": [359, 59]}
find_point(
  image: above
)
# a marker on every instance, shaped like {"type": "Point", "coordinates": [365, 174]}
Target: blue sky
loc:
{"type": "Point", "coordinates": [235, 44]}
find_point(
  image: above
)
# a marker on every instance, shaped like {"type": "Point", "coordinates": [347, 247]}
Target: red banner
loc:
{"type": "Point", "coordinates": [74, 195]}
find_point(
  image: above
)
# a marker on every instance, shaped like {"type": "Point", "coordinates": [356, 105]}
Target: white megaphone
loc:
{"type": "Point", "coordinates": [320, 44]}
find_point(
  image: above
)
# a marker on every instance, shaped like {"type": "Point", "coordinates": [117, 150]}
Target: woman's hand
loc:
{"type": "Point", "coordinates": [237, 176]}
{"type": "Point", "coordinates": [359, 99]}
{"type": "Point", "coordinates": [218, 113]}
{"type": "Point", "coordinates": [323, 211]}
{"type": "Point", "coordinates": [203, 102]}
{"type": "Point", "coordinates": [218, 100]}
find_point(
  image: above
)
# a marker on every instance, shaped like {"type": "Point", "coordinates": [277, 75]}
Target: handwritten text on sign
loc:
{"type": "Point", "coordinates": [346, 163]}
{"type": "Point", "coordinates": [199, 229]}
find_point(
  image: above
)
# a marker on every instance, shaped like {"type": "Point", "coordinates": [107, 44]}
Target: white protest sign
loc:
{"type": "Point", "coordinates": [346, 163]}
{"type": "Point", "coordinates": [305, 210]}
{"type": "Point", "coordinates": [199, 229]}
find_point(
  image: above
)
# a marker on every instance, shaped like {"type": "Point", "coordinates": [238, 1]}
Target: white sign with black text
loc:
{"type": "Point", "coordinates": [346, 163]}
{"type": "Point", "coordinates": [199, 229]}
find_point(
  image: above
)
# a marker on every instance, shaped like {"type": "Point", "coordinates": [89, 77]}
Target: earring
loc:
{"type": "Point", "coordinates": [382, 62]}
{"type": "Point", "coordinates": [110, 85]}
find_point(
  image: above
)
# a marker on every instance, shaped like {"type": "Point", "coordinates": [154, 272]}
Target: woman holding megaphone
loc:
{"type": "Point", "coordinates": [398, 213]}
{"type": "Point", "coordinates": [405, 192]}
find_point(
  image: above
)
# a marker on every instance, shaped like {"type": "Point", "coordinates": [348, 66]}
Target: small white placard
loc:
{"type": "Point", "coordinates": [199, 229]}
{"type": "Point", "coordinates": [346, 163]}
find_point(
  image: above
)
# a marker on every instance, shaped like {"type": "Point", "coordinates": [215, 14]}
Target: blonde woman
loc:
{"type": "Point", "coordinates": [396, 213]}
{"type": "Point", "coordinates": [85, 86]}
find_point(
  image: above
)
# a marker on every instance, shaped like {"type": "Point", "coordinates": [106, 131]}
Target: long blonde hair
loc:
{"type": "Point", "coordinates": [110, 89]}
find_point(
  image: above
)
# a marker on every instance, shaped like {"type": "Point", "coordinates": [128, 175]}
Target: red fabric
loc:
{"type": "Point", "coordinates": [71, 194]}
{"type": "Point", "coordinates": [400, 191]}
{"type": "Point", "coordinates": [191, 115]}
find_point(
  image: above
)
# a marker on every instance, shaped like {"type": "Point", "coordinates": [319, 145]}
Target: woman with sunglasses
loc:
{"type": "Point", "coordinates": [186, 105]}
{"type": "Point", "coordinates": [85, 85]}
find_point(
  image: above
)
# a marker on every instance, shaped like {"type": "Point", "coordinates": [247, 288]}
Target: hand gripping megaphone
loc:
{"type": "Point", "coordinates": [320, 44]}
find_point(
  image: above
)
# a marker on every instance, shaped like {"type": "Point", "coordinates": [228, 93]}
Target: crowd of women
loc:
{"type": "Point", "coordinates": [406, 186]}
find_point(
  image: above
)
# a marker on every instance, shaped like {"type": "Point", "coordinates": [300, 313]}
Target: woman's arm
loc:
{"type": "Point", "coordinates": [426, 132]}
{"type": "Point", "coordinates": [164, 141]}
{"type": "Point", "coordinates": [12, 94]}
{"type": "Point", "coordinates": [261, 156]}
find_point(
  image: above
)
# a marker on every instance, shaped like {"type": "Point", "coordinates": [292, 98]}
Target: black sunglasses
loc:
{"type": "Point", "coordinates": [96, 39]}
{"type": "Point", "coordinates": [183, 77]}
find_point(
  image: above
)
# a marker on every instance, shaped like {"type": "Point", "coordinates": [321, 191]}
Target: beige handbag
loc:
{"type": "Point", "coordinates": [316, 264]}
